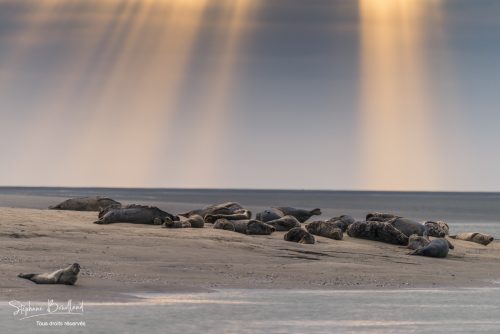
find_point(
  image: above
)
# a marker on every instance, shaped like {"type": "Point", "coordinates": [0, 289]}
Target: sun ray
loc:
{"type": "Point", "coordinates": [210, 131]}
{"type": "Point", "coordinates": [396, 125]}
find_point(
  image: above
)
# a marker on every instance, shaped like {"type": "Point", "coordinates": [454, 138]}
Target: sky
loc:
{"type": "Point", "coordinates": [274, 94]}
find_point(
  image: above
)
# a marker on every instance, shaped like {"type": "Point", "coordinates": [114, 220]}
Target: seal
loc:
{"type": "Point", "coordinates": [342, 222]}
{"type": "Point", "coordinates": [480, 238]}
{"type": "Point", "coordinates": [269, 215]}
{"type": "Point", "coordinates": [95, 203]}
{"type": "Point", "coordinates": [169, 223]}
{"type": "Point", "coordinates": [380, 217]}
{"type": "Point", "coordinates": [299, 235]}
{"type": "Point", "coordinates": [227, 208]}
{"type": "Point", "coordinates": [224, 224]}
{"type": "Point", "coordinates": [325, 229]}
{"type": "Point", "coordinates": [441, 224]}
{"type": "Point", "coordinates": [409, 227]}
{"type": "Point", "coordinates": [436, 248]}
{"type": "Point", "coordinates": [275, 213]}
{"type": "Point", "coordinates": [248, 226]}
{"type": "Point", "coordinates": [135, 214]}
{"type": "Point", "coordinates": [66, 276]}
{"type": "Point", "coordinates": [241, 215]}
{"type": "Point", "coordinates": [416, 241]}
{"type": "Point", "coordinates": [285, 223]}
{"type": "Point", "coordinates": [377, 231]}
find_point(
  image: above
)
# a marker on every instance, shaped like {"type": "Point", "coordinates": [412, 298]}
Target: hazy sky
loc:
{"type": "Point", "coordinates": [317, 94]}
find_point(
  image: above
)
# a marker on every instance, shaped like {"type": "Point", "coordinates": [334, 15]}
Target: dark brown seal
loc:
{"type": "Point", "coordinates": [377, 231]}
{"type": "Point", "coordinates": [299, 235]}
{"type": "Point", "coordinates": [325, 229]}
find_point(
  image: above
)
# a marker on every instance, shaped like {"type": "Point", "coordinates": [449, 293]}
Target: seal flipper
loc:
{"type": "Point", "coordinates": [26, 276]}
{"type": "Point", "coordinates": [416, 252]}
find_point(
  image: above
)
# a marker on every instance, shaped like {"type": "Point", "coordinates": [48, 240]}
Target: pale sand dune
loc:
{"type": "Point", "coordinates": [126, 258]}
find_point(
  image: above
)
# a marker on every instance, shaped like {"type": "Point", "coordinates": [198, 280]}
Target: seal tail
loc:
{"type": "Point", "coordinates": [316, 211]}
{"type": "Point", "coordinates": [27, 276]}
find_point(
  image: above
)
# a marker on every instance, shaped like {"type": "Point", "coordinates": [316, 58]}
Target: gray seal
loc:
{"type": "Point", "coordinates": [380, 217]}
{"type": "Point", "coordinates": [409, 227]}
{"type": "Point", "coordinates": [95, 203]}
{"type": "Point", "coordinates": [66, 276]}
{"type": "Point", "coordinates": [275, 213]}
{"type": "Point", "coordinates": [480, 238]}
{"type": "Point", "coordinates": [299, 235]}
{"type": "Point", "coordinates": [284, 223]}
{"type": "Point", "coordinates": [342, 222]}
{"type": "Point", "coordinates": [416, 241]}
{"type": "Point", "coordinates": [436, 248]}
{"type": "Point", "coordinates": [241, 215]}
{"type": "Point", "coordinates": [227, 208]}
{"type": "Point", "coordinates": [194, 221]}
{"type": "Point", "coordinates": [249, 226]}
{"type": "Point", "coordinates": [377, 231]}
{"type": "Point", "coordinates": [135, 214]}
{"type": "Point", "coordinates": [325, 229]}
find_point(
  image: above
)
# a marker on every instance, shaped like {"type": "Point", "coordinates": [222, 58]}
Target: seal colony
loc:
{"type": "Point", "coordinates": [427, 238]}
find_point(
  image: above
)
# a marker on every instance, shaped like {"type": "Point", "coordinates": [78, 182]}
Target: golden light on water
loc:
{"type": "Point", "coordinates": [397, 135]}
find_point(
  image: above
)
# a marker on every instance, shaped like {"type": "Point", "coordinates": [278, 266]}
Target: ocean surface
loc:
{"type": "Point", "coordinates": [279, 311]}
{"type": "Point", "coordinates": [467, 310]}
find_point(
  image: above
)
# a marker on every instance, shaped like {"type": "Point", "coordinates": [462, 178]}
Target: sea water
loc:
{"type": "Point", "coordinates": [467, 310]}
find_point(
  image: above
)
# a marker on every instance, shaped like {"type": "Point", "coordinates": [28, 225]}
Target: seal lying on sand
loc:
{"type": "Point", "coordinates": [441, 224]}
{"type": "Point", "coordinates": [243, 215]}
{"type": "Point", "coordinates": [135, 214]}
{"type": "Point", "coordinates": [284, 224]}
{"type": "Point", "coordinates": [480, 238]}
{"type": "Point", "coordinates": [250, 227]}
{"type": "Point", "coordinates": [67, 276]}
{"type": "Point", "coordinates": [377, 231]}
{"type": "Point", "coordinates": [436, 248]}
{"type": "Point", "coordinates": [85, 204]}
{"type": "Point", "coordinates": [226, 208]}
{"type": "Point", "coordinates": [380, 217]}
{"type": "Point", "coordinates": [298, 234]}
{"type": "Point", "coordinates": [325, 229]}
{"type": "Point", "coordinates": [416, 241]}
{"type": "Point", "coordinates": [342, 222]}
{"type": "Point", "coordinates": [194, 221]}
{"type": "Point", "coordinates": [409, 227]}
{"type": "Point", "coordinates": [276, 213]}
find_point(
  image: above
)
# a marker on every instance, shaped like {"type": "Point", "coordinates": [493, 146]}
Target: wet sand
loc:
{"type": "Point", "coordinates": [124, 258]}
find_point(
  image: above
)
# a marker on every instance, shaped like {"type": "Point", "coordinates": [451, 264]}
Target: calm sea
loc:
{"type": "Point", "coordinates": [463, 211]}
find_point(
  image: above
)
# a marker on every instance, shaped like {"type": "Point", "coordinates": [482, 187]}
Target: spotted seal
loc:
{"type": "Point", "coordinates": [194, 221]}
{"type": "Point", "coordinates": [325, 229]}
{"type": "Point", "coordinates": [135, 214]}
{"type": "Point", "coordinates": [436, 248]}
{"type": "Point", "coordinates": [66, 276]}
{"type": "Point", "coordinates": [275, 213]}
{"type": "Point", "coordinates": [480, 238]}
{"type": "Point", "coordinates": [299, 235]}
{"type": "Point", "coordinates": [248, 226]}
{"type": "Point", "coordinates": [377, 231]}
{"type": "Point", "coordinates": [94, 203]}
{"type": "Point", "coordinates": [285, 223]}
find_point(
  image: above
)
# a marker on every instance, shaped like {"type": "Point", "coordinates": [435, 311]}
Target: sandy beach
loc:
{"type": "Point", "coordinates": [120, 259]}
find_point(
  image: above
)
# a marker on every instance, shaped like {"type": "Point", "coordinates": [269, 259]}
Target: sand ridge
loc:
{"type": "Point", "coordinates": [121, 258]}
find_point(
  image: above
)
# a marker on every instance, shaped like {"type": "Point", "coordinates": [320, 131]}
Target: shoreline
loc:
{"type": "Point", "coordinates": [124, 258]}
